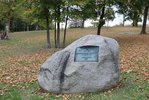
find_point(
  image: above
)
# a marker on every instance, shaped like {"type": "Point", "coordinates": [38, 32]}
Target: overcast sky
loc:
{"type": "Point", "coordinates": [117, 21]}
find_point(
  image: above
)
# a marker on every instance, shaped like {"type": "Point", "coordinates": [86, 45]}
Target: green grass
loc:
{"type": "Point", "coordinates": [18, 44]}
{"type": "Point", "coordinates": [25, 43]}
{"type": "Point", "coordinates": [23, 91]}
{"type": "Point", "coordinates": [131, 89]}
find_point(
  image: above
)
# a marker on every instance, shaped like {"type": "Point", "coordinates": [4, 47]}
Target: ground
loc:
{"type": "Point", "coordinates": [22, 56]}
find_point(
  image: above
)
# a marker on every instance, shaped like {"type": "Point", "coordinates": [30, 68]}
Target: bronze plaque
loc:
{"type": "Point", "coordinates": [86, 54]}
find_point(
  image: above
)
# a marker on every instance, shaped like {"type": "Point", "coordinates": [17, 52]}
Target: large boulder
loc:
{"type": "Point", "coordinates": [89, 64]}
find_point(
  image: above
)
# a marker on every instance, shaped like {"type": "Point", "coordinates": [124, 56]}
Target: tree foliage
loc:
{"type": "Point", "coordinates": [26, 14]}
{"type": "Point", "coordinates": [8, 10]}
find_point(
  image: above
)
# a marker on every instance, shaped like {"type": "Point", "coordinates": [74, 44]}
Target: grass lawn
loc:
{"type": "Point", "coordinates": [22, 56]}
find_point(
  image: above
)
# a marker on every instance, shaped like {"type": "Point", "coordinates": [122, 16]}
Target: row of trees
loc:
{"type": "Point", "coordinates": [35, 14]}
{"type": "Point", "coordinates": [133, 10]}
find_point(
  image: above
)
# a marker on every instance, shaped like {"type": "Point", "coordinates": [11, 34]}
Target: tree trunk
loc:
{"type": "Point", "coordinates": [58, 34]}
{"type": "Point", "coordinates": [83, 20]}
{"type": "Point", "coordinates": [66, 20]}
{"type": "Point", "coordinates": [3, 36]}
{"type": "Point", "coordinates": [37, 27]}
{"type": "Point", "coordinates": [123, 20]}
{"type": "Point", "coordinates": [64, 39]}
{"type": "Point", "coordinates": [7, 27]}
{"type": "Point", "coordinates": [24, 27]}
{"type": "Point", "coordinates": [101, 20]}
{"type": "Point", "coordinates": [143, 31]}
{"type": "Point", "coordinates": [55, 37]}
{"type": "Point", "coordinates": [58, 27]}
{"type": "Point", "coordinates": [48, 32]}
{"type": "Point", "coordinates": [11, 24]}
{"type": "Point", "coordinates": [135, 19]}
{"type": "Point", "coordinates": [135, 23]}
{"type": "Point", "coordinates": [55, 30]}
{"type": "Point", "coordinates": [27, 27]}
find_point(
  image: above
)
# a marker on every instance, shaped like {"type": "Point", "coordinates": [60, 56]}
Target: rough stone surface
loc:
{"type": "Point", "coordinates": [60, 74]}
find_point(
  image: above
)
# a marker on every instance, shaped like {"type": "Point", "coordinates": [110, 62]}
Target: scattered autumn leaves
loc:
{"type": "Point", "coordinates": [22, 68]}
{"type": "Point", "coordinates": [134, 56]}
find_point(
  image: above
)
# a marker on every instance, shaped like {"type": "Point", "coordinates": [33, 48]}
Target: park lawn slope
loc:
{"type": "Point", "coordinates": [22, 56]}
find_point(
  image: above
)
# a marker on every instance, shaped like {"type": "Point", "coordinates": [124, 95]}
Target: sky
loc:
{"type": "Point", "coordinates": [117, 21]}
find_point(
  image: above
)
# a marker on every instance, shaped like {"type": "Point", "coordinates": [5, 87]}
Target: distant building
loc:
{"type": "Point", "coordinates": [75, 24]}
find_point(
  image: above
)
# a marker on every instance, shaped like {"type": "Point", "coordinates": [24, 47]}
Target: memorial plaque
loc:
{"type": "Point", "coordinates": [87, 54]}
